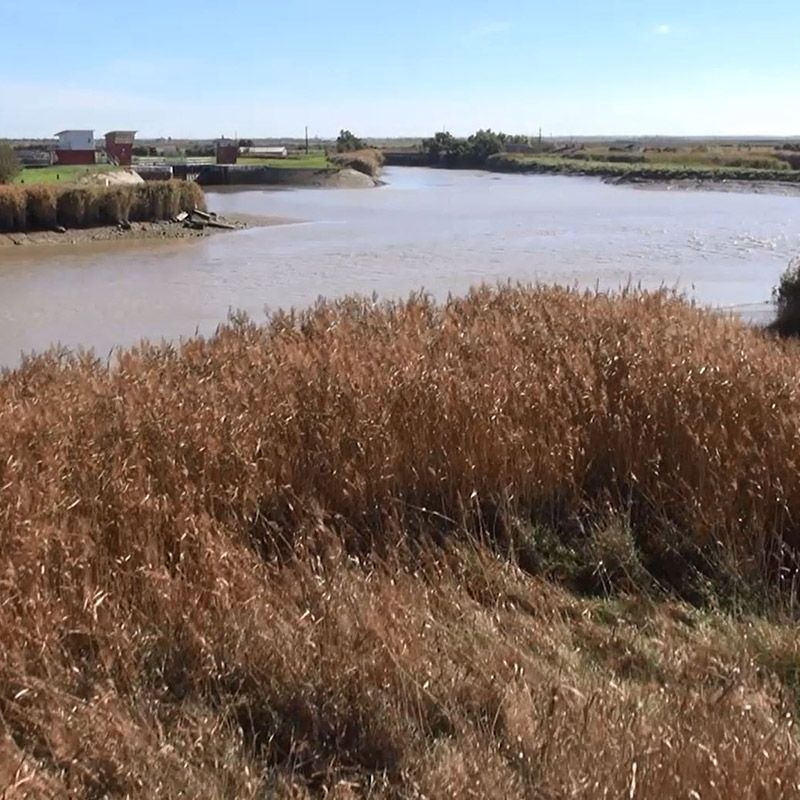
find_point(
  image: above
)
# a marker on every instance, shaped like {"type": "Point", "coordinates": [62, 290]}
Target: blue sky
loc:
{"type": "Point", "coordinates": [269, 68]}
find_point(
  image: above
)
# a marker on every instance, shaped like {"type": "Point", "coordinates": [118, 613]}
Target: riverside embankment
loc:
{"type": "Point", "coordinates": [675, 175]}
{"type": "Point", "coordinates": [254, 175]}
{"type": "Point", "coordinates": [24, 209]}
{"type": "Point", "coordinates": [652, 174]}
{"type": "Point", "coordinates": [354, 170]}
{"type": "Point", "coordinates": [91, 213]}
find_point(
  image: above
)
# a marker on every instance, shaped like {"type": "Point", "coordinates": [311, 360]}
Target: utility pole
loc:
{"type": "Point", "coordinates": [306, 139]}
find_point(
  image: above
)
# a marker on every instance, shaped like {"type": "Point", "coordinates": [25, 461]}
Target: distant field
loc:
{"type": "Point", "coordinates": [59, 174]}
{"type": "Point", "coordinates": [699, 156]}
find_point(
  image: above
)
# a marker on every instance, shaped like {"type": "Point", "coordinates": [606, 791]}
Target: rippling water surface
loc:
{"type": "Point", "coordinates": [441, 231]}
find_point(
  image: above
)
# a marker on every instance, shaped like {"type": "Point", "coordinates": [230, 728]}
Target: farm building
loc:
{"type": "Point", "coordinates": [119, 147]}
{"type": "Point", "coordinates": [75, 147]}
{"type": "Point", "coordinates": [264, 152]}
{"type": "Point", "coordinates": [227, 151]}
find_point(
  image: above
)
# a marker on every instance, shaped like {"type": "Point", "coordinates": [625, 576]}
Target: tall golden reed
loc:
{"type": "Point", "coordinates": [41, 207]}
{"type": "Point", "coordinates": [284, 561]}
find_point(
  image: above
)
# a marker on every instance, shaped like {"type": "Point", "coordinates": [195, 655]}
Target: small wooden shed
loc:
{"type": "Point", "coordinates": [119, 147]}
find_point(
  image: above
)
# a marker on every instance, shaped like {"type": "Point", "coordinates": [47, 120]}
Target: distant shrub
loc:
{"type": "Point", "coordinates": [625, 158]}
{"type": "Point", "coordinates": [115, 204]}
{"type": "Point", "coordinates": [792, 159]}
{"type": "Point", "coordinates": [10, 165]}
{"type": "Point", "coordinates": [13, 208]}
{"type": "Point", "coordinates": [446, 150]}
{"type": "Point", "coordinates": [41, 206]}
{"type": "Point", "coordinates": [367, 161]}
{"type": "Point", "coordinates": [483, 144]}
{"type": "Point", "coordinates": [612, 157]}
{"type": "Point", "coordinates": [787, 298]}
{"type": "Point", "coordinates": [348, 142]}
{"type": "Point", "coordinates": [77, 208]}
{"type": "Point", "coordinates": [764, 162]}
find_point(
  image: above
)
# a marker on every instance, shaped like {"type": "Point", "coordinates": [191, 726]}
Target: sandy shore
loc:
{"type": "Point", "coordinates": [138, 231]}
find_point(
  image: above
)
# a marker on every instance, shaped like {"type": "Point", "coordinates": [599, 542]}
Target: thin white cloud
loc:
{"type": "Point", "coordinates": [663, 30]}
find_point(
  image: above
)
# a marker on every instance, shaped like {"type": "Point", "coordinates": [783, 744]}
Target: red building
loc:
{"type": "Point", "coordinates": [227, 151]}
{"type": "Point", "coordinates": [119, 147]}
{"type": "Point", "coordinates": [75, 147]}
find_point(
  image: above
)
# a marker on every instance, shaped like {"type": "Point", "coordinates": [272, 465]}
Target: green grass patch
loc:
{"type": "Point", "coordinates": [59, 174]}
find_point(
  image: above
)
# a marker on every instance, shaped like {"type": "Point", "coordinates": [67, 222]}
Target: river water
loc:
{"type": "Point", "coordinates": [437, 230]}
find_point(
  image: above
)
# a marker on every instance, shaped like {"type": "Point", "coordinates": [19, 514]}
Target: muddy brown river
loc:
{"type": "Point", "coordinates": [441, 231]}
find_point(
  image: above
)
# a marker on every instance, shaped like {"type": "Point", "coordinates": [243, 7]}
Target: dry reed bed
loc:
{"type": "Point", "coordinates": [284, 560]}
{"type": "Point", "coordinates": [43, 207]}
{"type": "Point", "coordinates": [368, 161]}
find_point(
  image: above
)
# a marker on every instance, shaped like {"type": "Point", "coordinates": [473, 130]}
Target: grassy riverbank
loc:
{"type": "Point", "coordinates": [643, 170]}
{"type": "Point", "coordinates": [45, 207]}
{"type": "Point", "coordinates": [634, 161]}
{"type": "Point", "coordinates": [528, 543]}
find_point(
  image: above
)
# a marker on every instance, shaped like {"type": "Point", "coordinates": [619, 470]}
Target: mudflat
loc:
{"type": "Point", "coordinates": [137, 231]}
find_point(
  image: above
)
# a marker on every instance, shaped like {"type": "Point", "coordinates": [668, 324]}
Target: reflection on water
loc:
{"type": "Point", "coordinates": [442, 231]}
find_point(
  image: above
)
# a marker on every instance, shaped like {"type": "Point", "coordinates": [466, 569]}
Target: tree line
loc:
{"type": "Point", "coordinates": [447, 150]}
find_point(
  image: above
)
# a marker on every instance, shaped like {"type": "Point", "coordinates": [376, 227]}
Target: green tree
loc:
{"type": "Point", "coordinates": [9, 164]}
{"type": "Point", "coordinates": [448, 151]}
{"type": "Point", "coordinates": [437, 147]}
{"type": "Point", "coordinates": [445, 149]}
{"type": "Point", "coordinates": [347, 142]}
{"type": "Point", "coordinates": [484, 144]}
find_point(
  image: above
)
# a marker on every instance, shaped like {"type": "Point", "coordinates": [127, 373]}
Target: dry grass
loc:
{"type": "Point", "coordinates": [299, 560]}
{"type": "Point", "coordinates": [368, 161]}
{"type": "Point", "coordinates": [43, 207]}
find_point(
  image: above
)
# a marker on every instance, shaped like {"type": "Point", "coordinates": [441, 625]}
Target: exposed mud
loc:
{"type": "Point", "coordinates": [137, 231]}
{"type": "Point", "coordinates": [786, 189]}
{"type": "Point", "coordinates": [349, 178]}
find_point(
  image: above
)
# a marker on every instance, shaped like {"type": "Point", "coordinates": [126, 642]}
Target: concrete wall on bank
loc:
{"type": "Point", "coordinates": [252, 175]}
{"type": "Point", "coordinates": [406, 159]}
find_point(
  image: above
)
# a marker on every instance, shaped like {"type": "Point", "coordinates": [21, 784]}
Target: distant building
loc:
{"type": "Point", "coordinates": [75, 147]}
{"type": "Point", "coordinates": [264, 152]}
{"type": "Point", "coordinates": [227, 151]}
{"type": "Point", "coordinates": [34, 157]}
{"type": "Point", "coordinates": [119, 146]}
